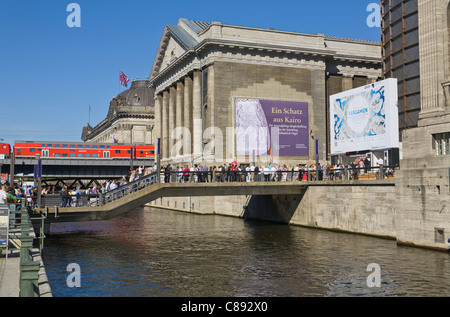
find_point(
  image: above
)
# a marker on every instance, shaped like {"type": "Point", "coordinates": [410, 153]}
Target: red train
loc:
{"type": "Point", "coordinates": [5, 149]}
{"type": "Point", "coordinates": [27, 149]}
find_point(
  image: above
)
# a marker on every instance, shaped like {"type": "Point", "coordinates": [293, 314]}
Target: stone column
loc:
{"type": "Point", "coordinates": [347, 82]}
{"type": "Point", "coordinates": [179, 120]}
{"type": "Point", "coordinates": [165, 126]}
{"type": "Point", "coordinates": [197, 115]}
{"type": "Point", "coordinates": [210, 96]}
{"type": "Point", "coordinates": [187, 147]}
{"type": "Point", "coordinates": [158, 119]}
{"type": "Point", "coordinates": [172, 114]}
{"type": "Point", "coordinates": [431, 48]}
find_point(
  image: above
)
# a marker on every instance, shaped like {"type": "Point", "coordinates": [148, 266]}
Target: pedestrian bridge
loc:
{"type": "Point", "coordinates": [146, 189]}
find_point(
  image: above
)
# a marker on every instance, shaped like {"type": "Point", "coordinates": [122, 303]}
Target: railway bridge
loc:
{"type": "Point", "coordinates": [71, 171]}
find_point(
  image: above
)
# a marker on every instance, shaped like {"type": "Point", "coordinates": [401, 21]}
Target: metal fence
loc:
{"type": "Point", "coordinates": [214, 176]}
{"type": "Point", "coordinates": [21, 237]}
{"type": "Point", "coordinates": [278, 175]}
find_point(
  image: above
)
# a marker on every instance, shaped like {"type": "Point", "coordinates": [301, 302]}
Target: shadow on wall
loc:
{"type": "Point", "coordinates": [276, 208]}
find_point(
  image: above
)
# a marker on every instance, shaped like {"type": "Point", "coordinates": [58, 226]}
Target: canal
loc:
{"type": "Point", "coordinates": [158, 253]}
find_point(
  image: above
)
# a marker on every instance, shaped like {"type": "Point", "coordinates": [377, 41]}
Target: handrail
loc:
{"type": "Point", "coordinates": [174, 176]}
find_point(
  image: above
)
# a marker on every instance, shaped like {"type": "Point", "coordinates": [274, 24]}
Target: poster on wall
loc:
{"type": "Point", "coordinates": [365, 118]}
{"type": "Point", "coordinates": [267, 126]}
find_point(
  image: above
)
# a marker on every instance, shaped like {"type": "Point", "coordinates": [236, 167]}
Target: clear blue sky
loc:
{"type": "Point", "coordinates": [50, 73]}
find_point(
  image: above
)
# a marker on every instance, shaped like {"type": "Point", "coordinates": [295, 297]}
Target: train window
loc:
{"type": "Point", "coordinates": [43, 145]}
{"type": "Point", "coordinates": [142, 152]}
{"type": "Point", "coordinates": [95, 146]}
{"type": "Point", "coordinates": [80, 146]}
{"type": "Point", "coordinates": [57, 145]}
{"type": "Point", "coordinates": [87, 155]}
{"type": "Point", "coordinates": [65, 155]}
{"type": "Point", "coordinates": [49, 145]}
{"type": "Point", "coordinates": [32, 149]}
{"type": "Point", "coordinates": [102, 146]}
{"type": "Point", "coordinates": [94, 155]}
{"type": "Point", "coordinates": [64, 146]}
{"type": "Point", "coordinates": [152, 152]}
{"type": "Point", "coordinates": [108, 147]}
{"type": "Point", "coordinates": [57, 155]}
{"type": "Point", "coordinates": [4, 146]}
{"type": "Point", "coordinates": [117, 151]}
{"type": "Point", "coordinates": [72, 146]}
{"type": "Point", "coordinates": [128, 151]}
{"type": "Point", "coordinates": [80, 155]}
{"type": "Point", "coordinates": [72, 154]}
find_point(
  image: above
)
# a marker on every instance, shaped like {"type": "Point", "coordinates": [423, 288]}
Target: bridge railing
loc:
{"type": "Point", "coordinates": [175, 176]}
{"type": "Point", "coordinates": [128, 188]}
{"type": "Point", "coordinates": [265, 175]}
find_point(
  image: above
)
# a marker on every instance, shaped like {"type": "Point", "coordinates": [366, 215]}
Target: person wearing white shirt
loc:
{"type": "Point", "coordinates": [2, 195]}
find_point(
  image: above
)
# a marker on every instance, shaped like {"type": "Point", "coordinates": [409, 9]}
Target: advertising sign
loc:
{"type": "Point", "coordinates": [264, 126]}
{"type": "Point", "coordinates": [365, 118]}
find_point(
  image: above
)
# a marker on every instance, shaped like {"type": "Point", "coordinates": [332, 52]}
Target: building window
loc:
{"type": "Point", "coordinates": [442, 143]}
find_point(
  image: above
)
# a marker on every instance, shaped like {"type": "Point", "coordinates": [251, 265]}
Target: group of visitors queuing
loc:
{"type": "Point", "coordinates": [234, 172]}
{"type": "Point", "coordinates": [11, 195]}
{"type": "Point", "coordinates": [198, 173]}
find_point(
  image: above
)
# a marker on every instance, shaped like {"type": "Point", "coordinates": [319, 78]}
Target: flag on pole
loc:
{"type": "Point", "coordinates": [124, 79]}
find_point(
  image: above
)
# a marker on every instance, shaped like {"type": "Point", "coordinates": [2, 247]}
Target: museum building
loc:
{"type": "Point", "coordinates": [213, 82]}
{"type": "Point", "coordinates": [130, 118]}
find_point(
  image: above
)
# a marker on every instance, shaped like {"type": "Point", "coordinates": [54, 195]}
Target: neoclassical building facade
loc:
{"type": "Point", "coordinates": [424, 175]}
{"type": "Point", "coordinates": [130, 118]}
{"type": "Point", "coordinates": [202, 71]}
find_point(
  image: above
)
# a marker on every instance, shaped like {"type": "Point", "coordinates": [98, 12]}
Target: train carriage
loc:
{"type": "Point", "coordinates": [5, 150]}
{"type": "Point", "coordinates": [27, 149]}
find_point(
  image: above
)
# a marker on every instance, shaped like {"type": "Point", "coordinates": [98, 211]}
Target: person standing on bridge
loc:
{"type": "Point", "coordinates": [63, 196]}
{"type": "Point", "coordinates": [167, 174]}
{"type": "Point", "coordinates": [78, 197]}
{"type": "Point", "coordinates": [2, 194]}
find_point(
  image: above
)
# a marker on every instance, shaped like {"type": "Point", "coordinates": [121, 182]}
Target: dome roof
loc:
{"type": "Point", "coordinates": [139, 94]}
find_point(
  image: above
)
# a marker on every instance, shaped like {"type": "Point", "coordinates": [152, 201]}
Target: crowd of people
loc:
{"type": "Point", "coordinates": [234, 172]}
{"type": "Point", "coordinates": [197, 173]}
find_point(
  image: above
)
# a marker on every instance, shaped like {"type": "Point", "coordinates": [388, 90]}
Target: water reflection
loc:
{"type": "Point", "coordinates": [150, 252]}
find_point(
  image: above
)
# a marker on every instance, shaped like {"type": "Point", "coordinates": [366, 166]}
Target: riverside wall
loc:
{"type": "Point", "coordinates": [368, 210]}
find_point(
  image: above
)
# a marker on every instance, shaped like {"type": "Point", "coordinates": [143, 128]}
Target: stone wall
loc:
{"type": "Point", "coordinates": [369, 210]}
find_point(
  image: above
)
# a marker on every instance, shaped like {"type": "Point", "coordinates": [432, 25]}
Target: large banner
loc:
{"type": "Point", "coordinates": [365, 118]}
{"type": "Point", "coordinates": [265, 127]}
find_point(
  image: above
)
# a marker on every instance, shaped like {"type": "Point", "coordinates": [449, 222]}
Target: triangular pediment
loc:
{"type": "Point", "coordinates": [175, 42]}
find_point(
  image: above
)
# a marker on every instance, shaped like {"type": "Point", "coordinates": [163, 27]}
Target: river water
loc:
{"type": "Point", "coordinates": [158, 253]}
